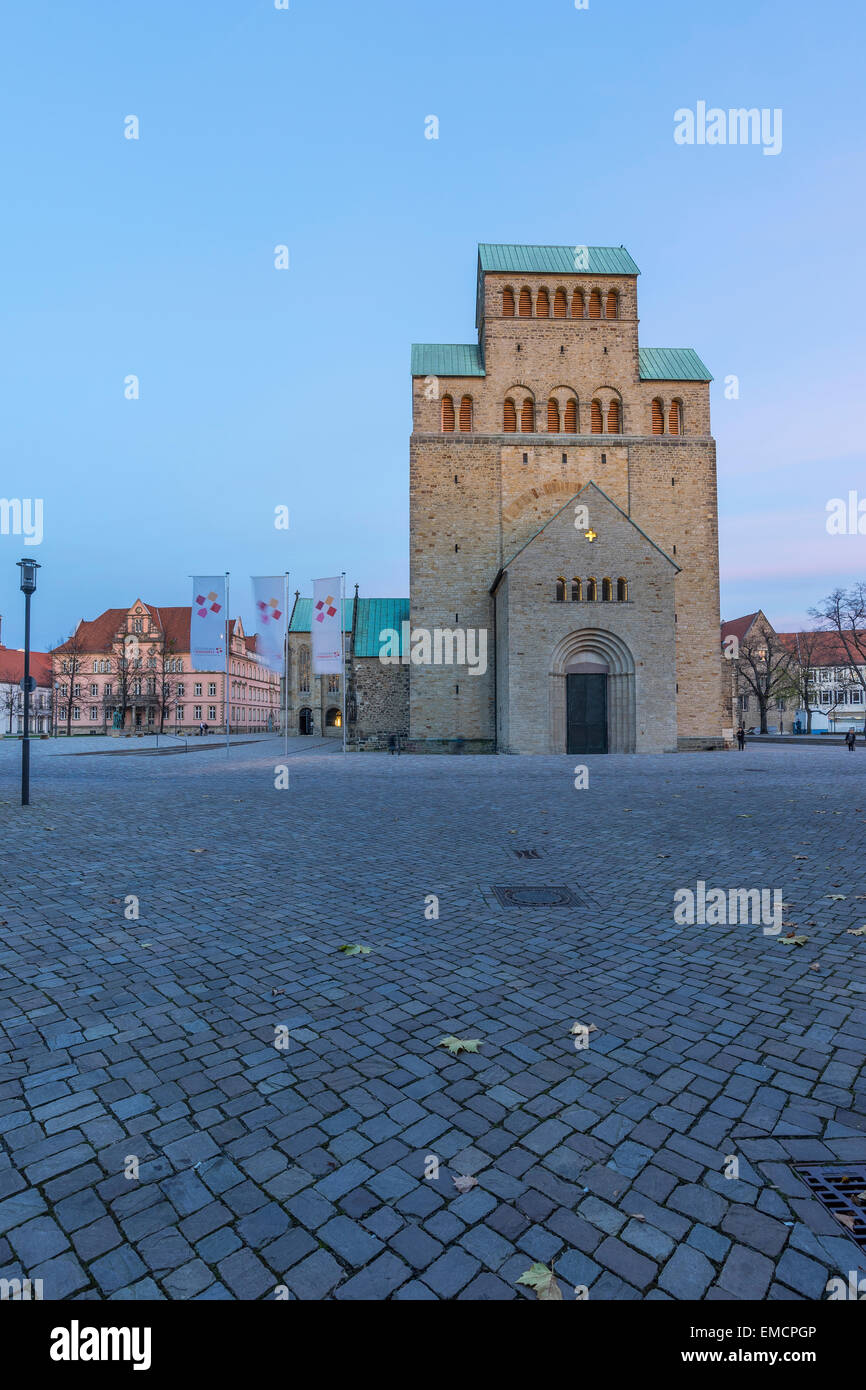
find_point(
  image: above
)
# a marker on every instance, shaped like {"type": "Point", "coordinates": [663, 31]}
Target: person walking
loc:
{"type": "Point", "coordinates": [741, 738]}
{"type": "Point", "coordinates": [851, 739]}
{"type": "Point", "coordinates": [201, 729]}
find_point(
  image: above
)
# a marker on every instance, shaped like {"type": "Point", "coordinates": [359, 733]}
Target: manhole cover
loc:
{"type": "Point", "coordinates": [838, 1188]}
{"type": "Point", "coordinates": [530, 896]}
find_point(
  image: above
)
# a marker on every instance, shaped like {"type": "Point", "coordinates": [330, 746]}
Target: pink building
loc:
{"type": "Point", "coordinates": [130, 669]}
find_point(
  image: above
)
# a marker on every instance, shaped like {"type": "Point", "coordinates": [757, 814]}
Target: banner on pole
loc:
{"type": "Point", "coordinates": [268, 593]}
{"type": "Point", "coordinates": [207, 624]}
{"type": "Point", "coordinates": [326, 635]}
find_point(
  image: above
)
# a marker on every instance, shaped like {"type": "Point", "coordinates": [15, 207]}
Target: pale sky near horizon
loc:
{"type": "Point", "coordinates": [305, 127]}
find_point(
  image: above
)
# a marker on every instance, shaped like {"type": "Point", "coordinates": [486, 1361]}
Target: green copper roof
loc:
{"type": "Point", "coordinates": [446, 359]}
{"type": "Point", "coordinates": [375, 615]}
{"type": "Point", "coordinates": [672, 364]}
{"type": "Point", "coordinates": [560, 260]}
{"type": "Point", "coordinates": [302, 613]}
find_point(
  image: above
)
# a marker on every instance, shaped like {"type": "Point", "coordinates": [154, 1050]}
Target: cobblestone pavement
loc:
{"type": "Point", "coordinates": [302, 1170]}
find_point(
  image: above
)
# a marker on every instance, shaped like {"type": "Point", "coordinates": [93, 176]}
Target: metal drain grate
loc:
{"type": "Point", "coordinates": [526, 895]}
{"type": "Point", "coordinates": [836, 1188]}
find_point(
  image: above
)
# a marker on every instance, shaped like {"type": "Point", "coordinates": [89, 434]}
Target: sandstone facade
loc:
{"type": "Point", "coordinates": [586, 405]}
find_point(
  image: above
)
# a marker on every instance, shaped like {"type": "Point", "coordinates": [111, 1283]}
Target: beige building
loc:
{"type": "Point", "coordinates": [563, 503]}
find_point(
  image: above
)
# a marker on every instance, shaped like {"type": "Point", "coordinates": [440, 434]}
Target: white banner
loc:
{"type": "Point", "coordinates": [269, 595]}
{"type": "Point", "coordinates": [326, 635]}
{"type": "Point", "coordinates": [207, 624]}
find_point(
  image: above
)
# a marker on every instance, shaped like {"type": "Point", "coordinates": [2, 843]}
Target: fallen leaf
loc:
{"type": "Point", "coordinates": [456, 1045]}
{"type": "Point", "coordinates": [814, 965]}
{"type": "Point", "coordinates": [801, 856]}
{"type": "Point", "coordinates": [198, 851]}
{"type": "Point", "coordinates": [349, 949]}
{"type": "Point", "coordinates": [836, 897]}
{"type": "Point", "coordinates": [636, 1216]}
{"type": "Point", "coordinates": [846, 1221]}
{"type": "Point", "coordinates": [792, 940]}
{"type": "Point", "coordinates": [542, 1279]}
{"type": "Point", "coordinates": [856, 931]}
{"type": "Point", "coordinates": [464, 1183]}
{"type": "Point", "coordinates": [275, 991]}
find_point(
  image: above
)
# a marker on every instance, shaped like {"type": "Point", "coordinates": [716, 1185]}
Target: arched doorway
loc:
{"type": "Point", "coordinates": [305, 721]}
{"type": "Point", "coordinates": [333, 720]}
{"type": "Point", "coordinates": [592, 694]}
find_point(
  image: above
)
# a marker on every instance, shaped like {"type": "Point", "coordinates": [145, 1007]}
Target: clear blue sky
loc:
{"type": "Point", "coordinates": [306, 127]}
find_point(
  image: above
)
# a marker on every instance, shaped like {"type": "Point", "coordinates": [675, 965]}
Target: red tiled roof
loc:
{"type": "Point", "coordinates": [738, 627]}
{"type": "Point", "coordinates": [12, 666]}
{"type": "Point", "coordinates": [828, 649]}
{"type": "Point", "coordinates": [98, 634]}
{"type": "Point", "coordinates": [175, 624]}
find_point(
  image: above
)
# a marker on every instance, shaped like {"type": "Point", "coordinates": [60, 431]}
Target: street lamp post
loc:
{"type": "Point", "coordinates": [28, 570]}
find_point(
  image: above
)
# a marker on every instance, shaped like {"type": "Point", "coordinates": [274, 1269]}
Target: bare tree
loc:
{"type": "Point", "coordinates": [9, 699]}
{"type": "Point", "coordinates": [166, 681]}
{"type": "Point", "coordinates": [843, 613]}
{"type": "Point", "coordinates": [68, 662]}
{"type": "Point", "coordinates": [764, 666]}
{"type": "Point", "coordinates": [808, 660]}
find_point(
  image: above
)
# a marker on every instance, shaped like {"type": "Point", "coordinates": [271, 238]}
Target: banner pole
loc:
{"type": "Point", "coordinates": [228, 695]}
{"type": "Point", "coordinates": [286, 664]}
{"type": "Point", "coordinates": [343, 648]}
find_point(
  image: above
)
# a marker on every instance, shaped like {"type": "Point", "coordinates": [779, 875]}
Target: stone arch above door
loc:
{"type": "Point", "coordinates": [585, 649]}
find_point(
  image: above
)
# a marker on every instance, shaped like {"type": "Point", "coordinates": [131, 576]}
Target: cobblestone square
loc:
{"type": "Point", "coordinates": [157, 1140]}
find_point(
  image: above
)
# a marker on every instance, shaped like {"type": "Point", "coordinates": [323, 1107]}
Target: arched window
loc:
{"type": "Point", "coordinates": [560, 305]}
{"type": "Point", "coordinates": [675, 418]}
{"type": "Point", "coordinates": [606, 591]}
{"type": "Point", "coordinates": [571, 416]}
{"type": "Point", "coordinates": [447, 413]}
{"type": "Point", "coordinates": [591, 590]}
{"type": "Point", "coordinates": [466, 413]}
{"type": "Point", "coordinates": [96, 666]}
{"type": "Point", "coordinates": [596, 426]}
{"type": "Point", "coordinates": [508, 302]}
{"type": "Point", "coordinates": [611, 308]}
{"type": "Point", "coordinates": [552, 417]}
{"type": "Point", "coordinates": [560, 590]}
{"type": "Point", "coordinates": [527, 417]}
{"type": "Point", "coordinates": [595, 304]}
{"type": "Point", "coordinates": [658, 417]}
{"type": "Point", "coordinates": [577, 305]}
{"type": "Point", "coordinates": [524, 308]}
{"type": "Point", "coordinates": [542, 305]}
{"type": "Point", "coordinates": [576, 591]}
{"type": "Point", "coordinates": [509, 423]}
{"type": "Point", "coordinates": [613, 418]}
{"type": "Point", "coordinates": [622, 590]}
{"type": "Point", "coordinates": [304, 668]}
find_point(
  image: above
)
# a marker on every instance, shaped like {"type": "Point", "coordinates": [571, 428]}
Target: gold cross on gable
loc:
{"type": "Point", "coordinates": [590, 535]}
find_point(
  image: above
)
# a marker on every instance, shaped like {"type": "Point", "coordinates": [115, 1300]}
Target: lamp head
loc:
{"type": "Point", "coordinates": [28, 570]}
